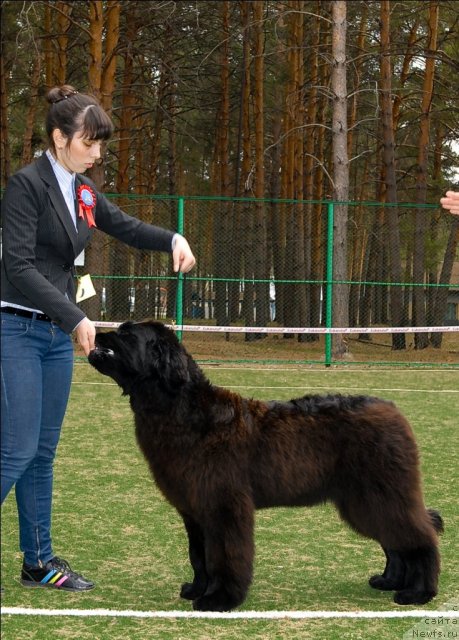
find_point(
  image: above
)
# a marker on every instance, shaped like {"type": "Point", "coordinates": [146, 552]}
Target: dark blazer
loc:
{"type": "Point", "coordinates": [40, 242]}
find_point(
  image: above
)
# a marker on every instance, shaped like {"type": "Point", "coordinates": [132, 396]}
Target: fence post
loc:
{"type": "Point", "coordinates": [329, 284]}
{"type": "Point", "coordinates": [179, 302]}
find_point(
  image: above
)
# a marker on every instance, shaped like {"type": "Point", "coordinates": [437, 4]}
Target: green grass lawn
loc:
{"type": "Point", "coordinates": [112, 524]}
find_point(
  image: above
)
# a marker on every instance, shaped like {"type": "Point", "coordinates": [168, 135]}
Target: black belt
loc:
{"type": "Point", "coordinates": [26, 314]}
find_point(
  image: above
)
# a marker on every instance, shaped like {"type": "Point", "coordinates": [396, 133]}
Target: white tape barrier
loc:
{"type": "Point", "coordinates": [320, 330]}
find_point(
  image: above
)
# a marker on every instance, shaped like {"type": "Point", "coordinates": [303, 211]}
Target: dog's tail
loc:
{"type": "Point", "coordinates": [437, 520]}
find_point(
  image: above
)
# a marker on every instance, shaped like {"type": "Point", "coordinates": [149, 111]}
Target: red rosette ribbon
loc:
{"type": "Point", "coordinates": [86, 203]}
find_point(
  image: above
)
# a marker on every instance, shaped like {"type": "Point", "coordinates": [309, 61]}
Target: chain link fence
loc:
{"type": "Point", "coordinates": [273, 263]}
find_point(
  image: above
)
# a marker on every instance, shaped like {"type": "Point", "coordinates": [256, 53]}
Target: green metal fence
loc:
{"type": "Point", "coordinates": [266, 266]}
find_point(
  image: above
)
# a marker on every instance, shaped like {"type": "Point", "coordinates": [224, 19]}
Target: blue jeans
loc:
{"type": "Point", "coordinates": [36, 373]}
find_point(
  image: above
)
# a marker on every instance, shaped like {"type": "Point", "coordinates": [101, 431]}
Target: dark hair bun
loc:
{"type": "Point", "coordinates": [56, 94]}
{"type": "Point", "coordinates": [72, 112]}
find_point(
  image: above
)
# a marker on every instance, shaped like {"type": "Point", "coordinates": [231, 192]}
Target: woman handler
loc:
{"type": "Point", "coordinates": [43, 232]}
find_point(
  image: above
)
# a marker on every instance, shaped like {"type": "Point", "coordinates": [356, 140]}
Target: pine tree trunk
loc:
{"type": "Point", "coordinates": [319, 212]}
{"type": "Point", "coordinates": [222, 234]}
{"type": "Point", "coordinates": [310, 158]}
{"type": "Point", "coordinates": [340, 174]}
{"type": "Point", "coordinates": [96, 21]}
{"type": "Point", "coordinates": [64, 10]}
{"type": "Point", "coordinates": [259, 245]}
{"type": "Point", "coordinates": [107, 81]}
{"type": "Point", "coordinates": [391, 212]}
{"type": "Point", "coordinates": [421, 340]}
{"type": "Point", "coordinates": [31, 111]}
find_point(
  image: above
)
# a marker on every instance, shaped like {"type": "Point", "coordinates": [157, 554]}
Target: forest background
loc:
{"type": "Point", "coordinates": [288, 103]}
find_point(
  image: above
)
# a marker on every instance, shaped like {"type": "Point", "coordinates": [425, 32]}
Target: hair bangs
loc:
{"type": "Point", "coordinates": [95, 123]}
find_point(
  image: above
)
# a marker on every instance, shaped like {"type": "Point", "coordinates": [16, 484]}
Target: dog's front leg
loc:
{"type": "Point", "coordinates": [192, 590]}
{"type": "Point", "coordinates": [229, 552]}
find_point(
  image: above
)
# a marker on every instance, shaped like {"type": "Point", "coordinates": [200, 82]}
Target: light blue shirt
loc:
{"type": "Point", "coordinates": [66, 182]}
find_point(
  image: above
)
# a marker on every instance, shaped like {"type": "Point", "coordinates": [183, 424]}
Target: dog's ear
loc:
{"type": "Point", "coordinates": [169, 363]}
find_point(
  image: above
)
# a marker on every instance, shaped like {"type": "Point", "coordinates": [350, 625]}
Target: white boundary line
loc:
{"type": "Point", "coordinates": [242, 615]}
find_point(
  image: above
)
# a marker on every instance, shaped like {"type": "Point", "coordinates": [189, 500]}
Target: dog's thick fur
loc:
{"type": "Point", "coordinates": [217, 457]}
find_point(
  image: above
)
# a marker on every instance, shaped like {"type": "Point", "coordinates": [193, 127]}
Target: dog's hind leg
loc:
{"type": "Point", "coordinates": [409, 537]}
{"type": "Point", "coordinates": [422, 566]}
{"type": "Point", "coordinates": [422, 569]}
{"type": "Point", "coordinates": [196, 550]}
{"type": "Point", "coordinates": [394, 574]}
{"type": "Point", "coordinates": [229, 550]}
{"type": "Point", "coordinates": [412, 574]}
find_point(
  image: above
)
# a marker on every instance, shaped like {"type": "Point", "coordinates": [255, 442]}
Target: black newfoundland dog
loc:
{"type": "Point", "coordinates": [217, 457]}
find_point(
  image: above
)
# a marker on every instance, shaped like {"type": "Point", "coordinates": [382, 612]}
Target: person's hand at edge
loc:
{"type": "Point", "coordinates": [85, 333]}
{"type": "Point", "coordinates": [182, 255]}
{"type": "Point", "coordinates": [451, 202]}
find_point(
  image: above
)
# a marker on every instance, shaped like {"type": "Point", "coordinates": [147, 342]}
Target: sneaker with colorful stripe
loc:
{"type": "Point", "coordinates": [56, 573]}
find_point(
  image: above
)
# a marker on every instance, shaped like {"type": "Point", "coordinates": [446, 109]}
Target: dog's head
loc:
{"type": "Point", "coordinates": [141, 351]}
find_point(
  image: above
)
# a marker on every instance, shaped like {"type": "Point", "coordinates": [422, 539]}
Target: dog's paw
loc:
{"type": "Point", "coordinates": [383, 584]}
{"type": "Point", "coordinates": [410, 596]}
{"type": "Point", "coordinates": [191, 591]}
{"type": "Point", "coordinates": [218, 601]}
